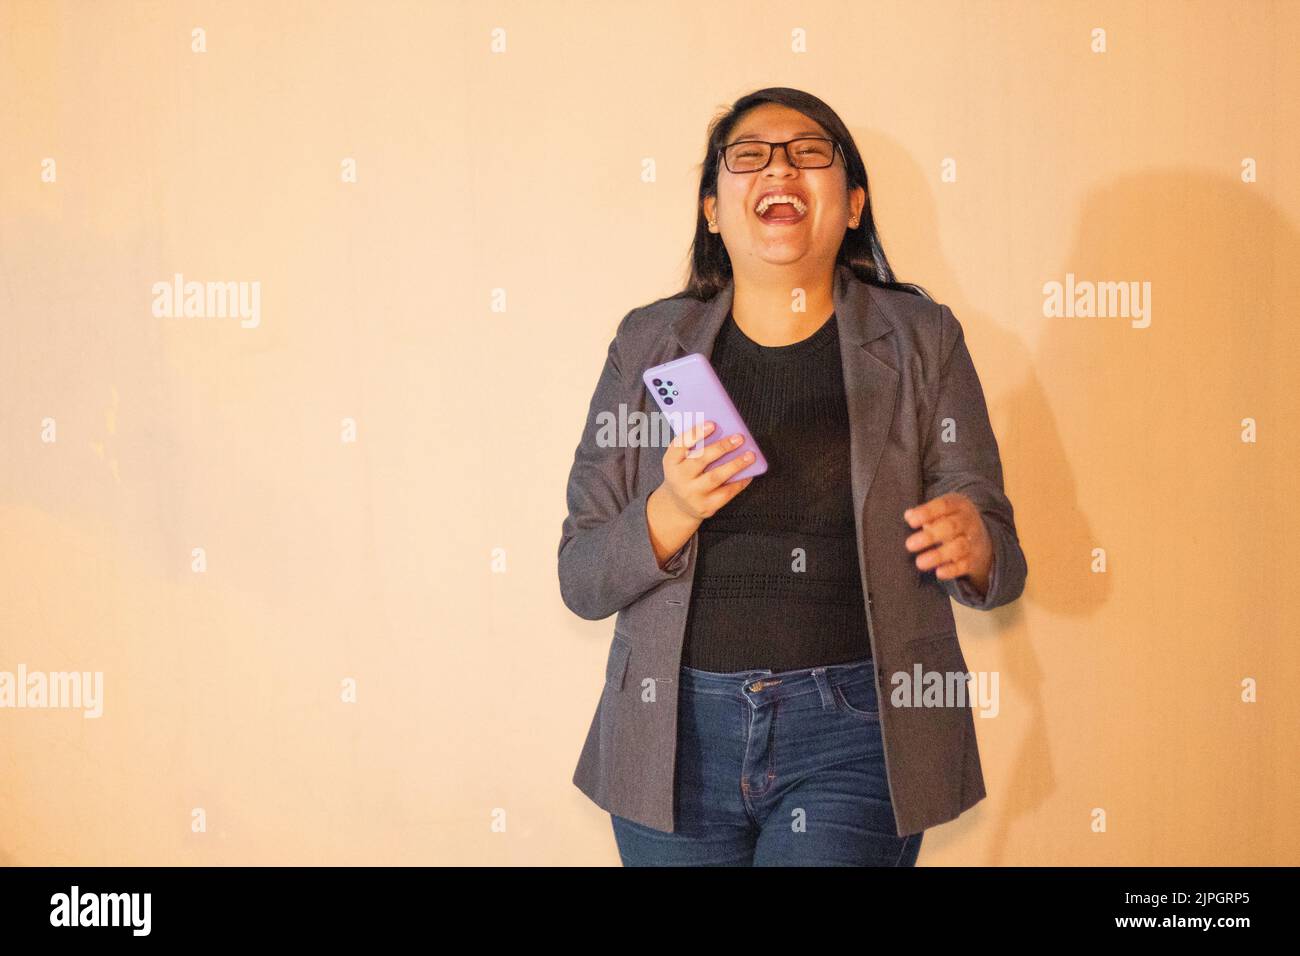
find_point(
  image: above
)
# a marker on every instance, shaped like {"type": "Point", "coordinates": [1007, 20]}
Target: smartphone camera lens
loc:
{"type": "Point", "coordinates": [668, 383]}
{"type": "Point", "coordinates": [664, 391]}
{"type": "Point", "coordinates": [668, 401]}
{"type": "Point", "coordinates": [657, 383]}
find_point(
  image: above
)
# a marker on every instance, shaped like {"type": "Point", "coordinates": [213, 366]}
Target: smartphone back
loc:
{"type": "Point", "coordinates": [688, 392]}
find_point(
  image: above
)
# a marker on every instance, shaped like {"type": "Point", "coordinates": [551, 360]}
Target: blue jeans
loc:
{"type": "Point", "coordinates": [784, 769]}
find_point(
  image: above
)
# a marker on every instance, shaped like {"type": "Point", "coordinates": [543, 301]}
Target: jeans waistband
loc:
{"type": "Point", "coordinates": [768, 684]}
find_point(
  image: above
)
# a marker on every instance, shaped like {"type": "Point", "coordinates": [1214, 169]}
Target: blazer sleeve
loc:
{"type": "Point", "coordinates": [606, 560]}
{"type": "Point", "coordinates": [970, 464]}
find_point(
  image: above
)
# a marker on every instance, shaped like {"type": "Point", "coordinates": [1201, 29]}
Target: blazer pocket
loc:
{"type": "Point", "coordinates": [620, 651]}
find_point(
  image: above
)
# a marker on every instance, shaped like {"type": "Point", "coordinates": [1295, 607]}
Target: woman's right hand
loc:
{"type": "Point", "coordinates": [693, 492]}
{"type": "Point", "coordinates": [688, 495]}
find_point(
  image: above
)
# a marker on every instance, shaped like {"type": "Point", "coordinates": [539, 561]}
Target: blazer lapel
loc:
{"type": "Point", "coordinates": [870, 385]}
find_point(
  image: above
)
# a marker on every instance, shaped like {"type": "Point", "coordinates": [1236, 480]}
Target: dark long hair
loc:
{"type": "Point", "coordinates": [861, 250]}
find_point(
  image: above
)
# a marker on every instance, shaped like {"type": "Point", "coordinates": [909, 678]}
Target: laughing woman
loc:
{"type": "Point", "coordinates": [747, 717]}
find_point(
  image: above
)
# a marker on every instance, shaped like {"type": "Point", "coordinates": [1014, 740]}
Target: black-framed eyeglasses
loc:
{"type": "Point", "coordinates": [807, 152]}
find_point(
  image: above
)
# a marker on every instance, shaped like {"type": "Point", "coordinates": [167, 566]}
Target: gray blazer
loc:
{"type": "Point", "coordinates": [906, 372]}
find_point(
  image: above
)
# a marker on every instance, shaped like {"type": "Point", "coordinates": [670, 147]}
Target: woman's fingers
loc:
{"type": "Point", "coordinates": [687, 439]}
{"type": "Point", "coordinates": [933, 509]}
{"type": "Point", "coordinates": [936, 532]}
{"type": "Point", "coordinates": [709, 453]}
{"type": "Point", "coordinates": [943, 539]}
{"type": "Point", "coordinates": [720, 475]}
{"type": "Point", "coordinates": [953, 551]}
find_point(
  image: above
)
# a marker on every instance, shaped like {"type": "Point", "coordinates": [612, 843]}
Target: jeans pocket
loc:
{"type": "Point", "coordinates": [857, 698]}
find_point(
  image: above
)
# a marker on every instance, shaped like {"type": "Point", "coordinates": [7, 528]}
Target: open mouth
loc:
{"type": "Point", "coordinates": [781, 209]}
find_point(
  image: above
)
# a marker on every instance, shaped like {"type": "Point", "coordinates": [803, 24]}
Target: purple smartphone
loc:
{"type": "Point", "coordinates": [689, 393]}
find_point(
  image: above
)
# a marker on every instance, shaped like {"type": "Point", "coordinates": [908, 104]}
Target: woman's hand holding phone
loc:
{"type": "Point", "coordinates": [689, 494]}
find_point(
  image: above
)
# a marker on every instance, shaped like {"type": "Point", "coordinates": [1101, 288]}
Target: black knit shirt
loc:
{"type": "Point", "coordinates": [777, 580]}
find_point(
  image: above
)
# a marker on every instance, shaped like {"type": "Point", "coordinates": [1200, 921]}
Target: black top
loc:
{"type": "Point", "coordinates": [777, 580]}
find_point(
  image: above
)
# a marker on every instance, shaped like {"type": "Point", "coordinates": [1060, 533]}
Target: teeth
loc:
{"type": "Point", "coordinates": [769, 200]}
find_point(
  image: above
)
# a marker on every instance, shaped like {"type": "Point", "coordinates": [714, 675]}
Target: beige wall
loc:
{"type": "Point", "coordinates": [522, 170]}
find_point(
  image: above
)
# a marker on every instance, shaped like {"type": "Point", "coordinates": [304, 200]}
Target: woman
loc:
{"type": "Point", "coordinates": [759, 622]}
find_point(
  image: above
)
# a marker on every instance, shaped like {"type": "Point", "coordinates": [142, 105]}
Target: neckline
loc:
{"type": "Point", "coordinates": [825, 333]}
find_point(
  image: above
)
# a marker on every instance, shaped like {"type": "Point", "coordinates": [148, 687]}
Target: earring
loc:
{"type": "Point", "coordinates": [713, 224]}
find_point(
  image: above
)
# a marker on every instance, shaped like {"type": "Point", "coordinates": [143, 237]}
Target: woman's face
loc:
{"type": "Point", "coordinates": [813, 237]}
